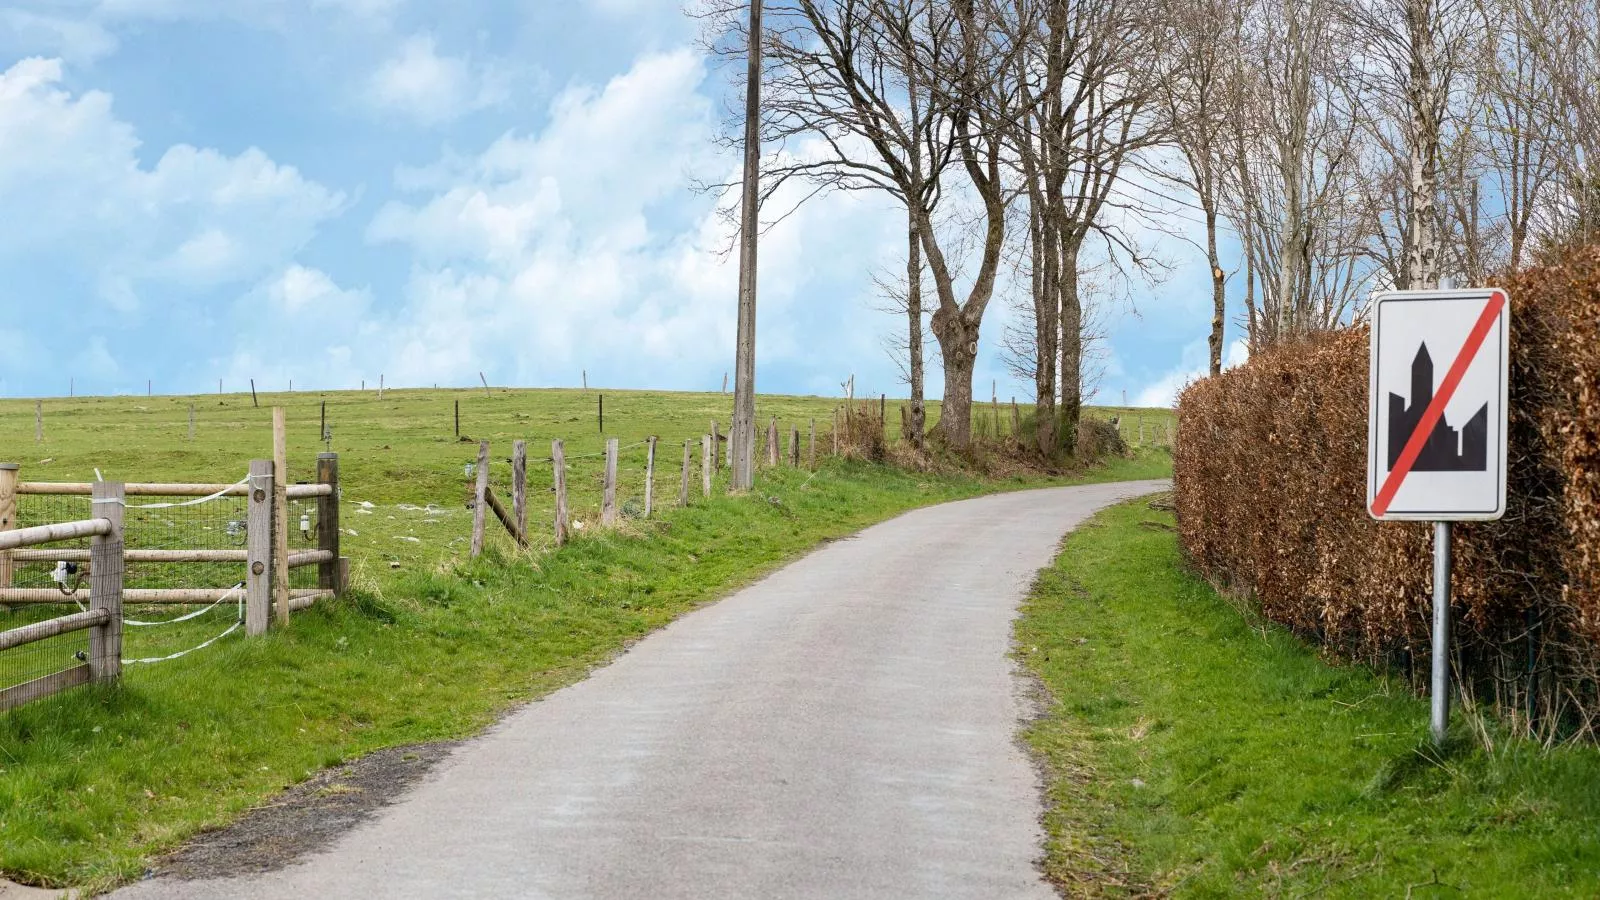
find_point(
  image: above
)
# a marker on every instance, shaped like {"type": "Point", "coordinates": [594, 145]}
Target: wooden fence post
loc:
{"type": "Point", "coordinates": [812, 465]}
{"type": "Point", "coordinates": [650, 476]}
{"type": "Point", "coordinates": [10, 473]}
{"type": "Point", "coordinates": [1016, 419]}
{"type": "Point", "coordinates": [772, 442]}
{"type": "Point", "coordinates": [38, 421]}
{"type": "Point", "coordinates": [255, 402]}
{"type": "Point", "coordinates": [558, 459]}
{"type": "Point", "coordinates": [602, 413]}
{"type": "Point", "coordinates": [480, 503]}
{"type": "Point", "coordinates": [608, 510]}
{"type": "Point", "coordinates": [716, 447]}
{"type": "Point", "coordinates": [683, 489]}
{"type": "Point", "coordinates": [519, 485]}
{"type": "Point", "coordinates": [105, 583]}
{"type": "Point", "coordinates": [330, 572]}
{"type": "Point", "coordinates": [280, 515]}
{"type": "Point", "coordinates": [706, 452]}
{"type": "Point", "coordinates": [258, 540]}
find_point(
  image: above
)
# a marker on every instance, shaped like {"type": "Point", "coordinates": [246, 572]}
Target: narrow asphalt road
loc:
{"type": "Point", "coordinates": [844, 728]}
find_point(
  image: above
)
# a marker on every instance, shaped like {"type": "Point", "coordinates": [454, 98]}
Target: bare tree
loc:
{"type": "Point", "coordinates": [1200, 63]}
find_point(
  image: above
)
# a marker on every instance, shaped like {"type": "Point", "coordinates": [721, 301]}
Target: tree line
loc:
{"type": "Point", "coordinates": [1322, 148]}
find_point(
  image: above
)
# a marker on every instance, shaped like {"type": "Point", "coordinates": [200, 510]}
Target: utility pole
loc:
{"type": "Point", "coordinates": [744, 379]}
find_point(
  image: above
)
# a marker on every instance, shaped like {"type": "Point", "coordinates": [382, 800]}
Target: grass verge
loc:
{"type": "Point", "coordinates": [96, 781]}
{"type": "Point", "coordinates": [1197, 753]}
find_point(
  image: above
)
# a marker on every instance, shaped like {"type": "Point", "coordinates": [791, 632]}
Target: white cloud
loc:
{"type": "Point", "coordinates": [1164, 390]}
{"type": "Point", "coordinates": [580, 247]}
{"type": "Point", "coordinates": [69, 169]}
{"type": "Point", "coordinates": [420, 84]}
{"type": "Point", "coordinates": [75, 40]}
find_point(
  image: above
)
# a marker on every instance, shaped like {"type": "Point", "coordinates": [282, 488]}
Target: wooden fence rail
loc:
{"type": "Point", "coordinates": [103, 619]}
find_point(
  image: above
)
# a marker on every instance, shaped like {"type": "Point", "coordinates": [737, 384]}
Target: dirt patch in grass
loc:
{"type": "Point", "coordinates": [305, 818]}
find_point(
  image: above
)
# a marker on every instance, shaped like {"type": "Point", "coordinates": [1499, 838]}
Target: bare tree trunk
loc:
{"type": "Point", "coordinates": [1219, 284]}
{"type": "Point", "coordinates": [1426, 102]}
{"type": "Point", "coordinates": [919, 412]}
{"type": "Point", "coordinates": [1071, 348]}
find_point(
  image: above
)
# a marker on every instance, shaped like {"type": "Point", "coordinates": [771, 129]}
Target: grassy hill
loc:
{"type": "Point", "coordinates": [429, 646]}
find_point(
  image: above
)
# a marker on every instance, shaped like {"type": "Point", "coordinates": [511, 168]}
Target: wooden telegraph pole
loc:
{"type": "Point", "coordinates": [743, 435]}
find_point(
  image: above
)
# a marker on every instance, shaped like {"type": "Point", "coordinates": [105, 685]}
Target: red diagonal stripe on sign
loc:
{"type": "Point", "coordinates": [1435, 410]}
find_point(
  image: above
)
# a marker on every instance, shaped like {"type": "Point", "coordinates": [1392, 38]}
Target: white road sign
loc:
{"type": "Point", "coordinates": [1436, 433]}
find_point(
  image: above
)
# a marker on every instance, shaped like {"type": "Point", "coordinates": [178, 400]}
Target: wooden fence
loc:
{"type": "Point", "coordinates": [264, 561]}
{"type": "Point", "coordinates": [713, 447]}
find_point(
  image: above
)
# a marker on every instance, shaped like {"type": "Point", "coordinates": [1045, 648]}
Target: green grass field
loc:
{"type": "Point", "coordinates": [428, 646]}
{"type": "Point", "coordinates": [1197, 753]}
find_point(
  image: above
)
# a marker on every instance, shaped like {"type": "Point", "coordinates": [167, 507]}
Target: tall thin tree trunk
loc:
{"type": "Point", "coordinates": [1219, 296]}
{"type": "Point", "coordinates": [919, 414]}
{"type": "Point", "coordinates": [1071, 348]}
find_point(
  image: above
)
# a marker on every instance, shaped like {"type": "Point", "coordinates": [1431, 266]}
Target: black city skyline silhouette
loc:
{"type": "Point", "coordinates": [1444, 451]}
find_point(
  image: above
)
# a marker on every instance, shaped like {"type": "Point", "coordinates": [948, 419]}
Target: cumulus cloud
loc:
{"type": "Point", "coordinates": [420, 84]}
{"type": "Point", "coordinates": [197, 218]}
{"type": "Point", "coordinates": [1165, 389]}
{"type": "Point", "coordinates": [579, 246]}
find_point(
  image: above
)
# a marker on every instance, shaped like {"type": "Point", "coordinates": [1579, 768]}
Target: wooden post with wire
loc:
{"type": "Point", "coordinates": [716, 446]}
{"type": "Point", "coordinates": [706, 453]}
{"type": "Point", "coordinates": [332, 572]}
{"type": "Point", "coordinates": [794, 446]}
{"type": "Point", "coordinates": [519, 485]}
{"type": "Point", "coordinates": [812, 463]}
{"type": "Point", "coordinates": [683, 489]}
{"type": "Point", "coordinates": [608, 509]}
{"type": "Point", "coordinates": [105, 583]}
{"type": "Point", "coordinates": [772, 442]}
{"type": "Point", "coordinates": [480, 503]}
{"type": "Point", "coordinates": [650, 476]}
{"type": "Point", "coordinates": [558, 461]}
{"type": "Point", "coordinates": [258, 549]}
{"type": "Point", "coordinates": [10, 474]}
{"type": "Point", "coordinates": [280, 515]}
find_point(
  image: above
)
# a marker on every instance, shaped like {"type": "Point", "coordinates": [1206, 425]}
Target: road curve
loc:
{"type": "Point", "coordinates": [844, 728]}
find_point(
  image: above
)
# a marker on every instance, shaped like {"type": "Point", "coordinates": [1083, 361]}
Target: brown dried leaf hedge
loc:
{"type": "Point", "coordinates": [1271, 480]}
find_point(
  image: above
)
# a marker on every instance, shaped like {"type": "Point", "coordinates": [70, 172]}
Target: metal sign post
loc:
{"type": "Point", "coordinates": [1436, 445]}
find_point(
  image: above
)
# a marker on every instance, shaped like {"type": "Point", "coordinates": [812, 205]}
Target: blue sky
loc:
{"type": "Point", "coordinates": [327, 190]}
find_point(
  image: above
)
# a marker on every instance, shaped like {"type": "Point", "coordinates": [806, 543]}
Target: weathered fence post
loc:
{"type": "Point", "coordinates": [10, 473]}
{"type": "Point", "coordinates": [105, 582]}
{"type": "Point", "coordinates": [280, 515]}
{"type": "Point", "coordinates": [706, 452]}
{"type": "Point", "coordinates": [650, 476]}
{"type": "Point", "coordinates": [519, 485]}
{"type": "Point", "coordinates": [38, 421]}
{"type": "Point", "coordinates": [772, 442]}
{"type": "Point", "coordinates": [258, 554]}
{"type": "Point", "coordinates": [558, 460]}
{"type": "Point", "coordinates": [1016, 419]}
{"type": "Point", "coordinates": [480, 503]}
{"type": "Point", "coordinates": [812, 465]}
{"type": "Point", "coordinates": [716, 447]}
{"type": "Point", "coordinates": [330, 573]}
{"type": "Point", "coordinates": [608, 510]}
{"type": "Point", "coordinates": [794, 446]}
{"type": "Point", "coordinates": [683, 489]}
{"type": "Point", "coordinates": [602, 413]}
{"type": "Point", "coordinates": [255, 402]}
